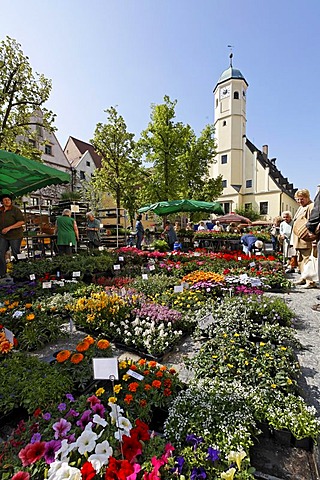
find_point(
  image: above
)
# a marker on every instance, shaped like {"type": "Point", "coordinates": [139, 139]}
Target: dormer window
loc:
{"type": "Point", "coordinates": [236, 95]}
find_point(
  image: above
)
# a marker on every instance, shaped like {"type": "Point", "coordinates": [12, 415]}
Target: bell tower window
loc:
{"type": "Point", "coordinates": [236, 95]}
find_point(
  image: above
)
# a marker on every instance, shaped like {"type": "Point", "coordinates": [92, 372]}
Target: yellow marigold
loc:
{"type": "Point", "coordinates": [117, 388]}
{"type": "Point", "coordinates": [83, 346]}
{"type": "Point", "coordinates": [100, 392]}
{"type": "Point", "coordinates": [123, 364]}
{"type": "Point", "coordinates": [28, 305]}
{"type": "Point", "coordinates": [63, 355]}
{"type": "Point", "coordinates": [76, 358]}
{"type": "Point", "coordinates": [125, 377]}
{"type": "Point", "coordinates": [103, 344]}
{"type": "Point", "coordinates": [31, 316]}
{"type": "Point", "coordinates": [3, 310]}
{"type": "Point", "coordinates": [112, 399]}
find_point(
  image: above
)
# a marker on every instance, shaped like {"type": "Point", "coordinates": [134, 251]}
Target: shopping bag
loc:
{"type": "Point", "coordinates": [310, 271]}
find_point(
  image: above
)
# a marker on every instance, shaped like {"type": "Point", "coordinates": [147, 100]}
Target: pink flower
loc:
{"type": "Point", "coordinates": [21, 476]}
{"type": "Point", "coordinates": [136, 468]}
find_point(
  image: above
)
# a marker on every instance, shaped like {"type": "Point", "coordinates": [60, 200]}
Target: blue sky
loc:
{"type": "Point", "coordinates": [130, 53]}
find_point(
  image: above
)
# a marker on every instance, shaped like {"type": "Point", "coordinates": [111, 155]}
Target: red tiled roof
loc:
{"type": "Point", "coordinates": [84, 146]}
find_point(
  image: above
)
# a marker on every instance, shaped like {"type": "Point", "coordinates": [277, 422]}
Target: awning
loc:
{"type": "Point", "coordinates": [175, 206]}
{"type": "Point", "coordinates": [20, 175]}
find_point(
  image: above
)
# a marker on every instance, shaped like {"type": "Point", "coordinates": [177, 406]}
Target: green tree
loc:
{"type": "Point", "coordinates": [119, 171]}
{"type": "Point", "coordinates": [22, 98]}
{"type": "Point", "coordinates": [180, 161]}
{"type": "Point", "coordinates": [163, 144]}
{"type": "Point", "coordinates": [250, 213]}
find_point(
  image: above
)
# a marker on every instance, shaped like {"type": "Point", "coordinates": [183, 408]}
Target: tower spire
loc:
{"type": "Point", "coordinates": [231, 54]}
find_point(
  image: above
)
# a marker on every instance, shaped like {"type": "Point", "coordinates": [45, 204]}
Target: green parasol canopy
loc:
{"type": "Point", "coordinates": [20, 175]}
{"type": "Point", "coordinates": [175, 206]}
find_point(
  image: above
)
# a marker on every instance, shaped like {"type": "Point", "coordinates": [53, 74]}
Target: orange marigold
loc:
{"type": "Point", "coordinates": [76, 358]}
{"type": "Point", "coordinates": [103, 344]}
{"type": "Point", "coordinates": [5, 346]}
{"type": "Point", "coordinates": [167, 392]}
{"type": "Point", "coordinates": [89, 339]}
{"type": "Point", "coordinates": [159, 374]}
{"type": "Point", "coordinates": [143, 403]}
{"type": "Point", "coordinates": [152, 364]}
{"type": "Point", "coordinates": [142, 361]}
{"type": "Point", "coordinates": [163, 368]}
{"type": "Point", "coordinates": [133, 386]}
{"type": "Point", "coordinates": [31, 316]}
{"type": "Point", "coordinates": [147, 387]}
{"type": "Point", "coordinates": [156, 384]}
{"type": "Point", "coordinates": [63, 355]}
{"type": "Point", "coordinates": [28, 305]}
{"type": "Point", "coordinates": [146, 372]}
{"type": "Point", "coordinates": [128, 399]}
{"type": "Point", "coordinates": [83, 346]}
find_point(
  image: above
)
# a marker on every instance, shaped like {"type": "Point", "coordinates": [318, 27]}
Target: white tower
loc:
{"type": "Point", "coordinates": [230, 130]}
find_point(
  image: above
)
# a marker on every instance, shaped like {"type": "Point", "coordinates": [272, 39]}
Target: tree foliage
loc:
{"type": "Point", "coordinates": [250, 213]}
{"type": "Point", "coordinates": [179, 160]}
{"type": "Point", "coordinates": [120, 168]}
{"type": "Point", "coordinates": [22, 96]}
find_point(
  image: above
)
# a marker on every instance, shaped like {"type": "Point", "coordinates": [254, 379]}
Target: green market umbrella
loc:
{"type": "Point", "coordinates": [175, 206]}
{"type": "Point", "coordinates": [20, 175]}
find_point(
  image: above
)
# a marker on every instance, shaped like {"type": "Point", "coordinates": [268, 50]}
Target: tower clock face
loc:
{"type": "Point", "coordinates": [224, 92]}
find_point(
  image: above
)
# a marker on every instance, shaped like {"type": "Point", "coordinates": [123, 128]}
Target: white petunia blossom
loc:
{"type": "Point", "coordinates": [99, 420]}
{"type": "Point", "coordinates": [62, 471]}
{"type": "Point", "coordinates": [87, 440]}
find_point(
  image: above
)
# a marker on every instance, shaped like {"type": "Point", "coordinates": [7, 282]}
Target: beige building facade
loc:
{"type": "Point", "coordinates": [250, 178]}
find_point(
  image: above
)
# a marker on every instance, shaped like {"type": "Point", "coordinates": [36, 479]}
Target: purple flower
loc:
{"type": "Point", "coordinates": [36, 437]}
{"type": "Point", "coordinates": [70, 397]}
{"type": "Point", "coordinates": [72, 413]}
{"type": "Point", "coordinates": [62, 407]}
{"type": "Point", "coordinates": [178, 466]}
{"type": "Point", "coordinates": [61, 428]}
{"type": "Point", "coordinates": [195, 441]}
{"type": "Point", "coordinates": [198, 473]}
{"type": "Point", "coordinates": [213, 454]}
{"type": "Point", "coordinates": [50, 449]}
{"type": "Point", "coordinates": [85, 419]}
{"type": "Point", "coordinates": [99, 409]}
{"type": "Point", "coordinates": [46, 416]}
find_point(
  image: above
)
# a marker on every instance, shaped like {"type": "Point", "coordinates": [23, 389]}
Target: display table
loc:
{"type": "Point", "coordinates": [41, 244]}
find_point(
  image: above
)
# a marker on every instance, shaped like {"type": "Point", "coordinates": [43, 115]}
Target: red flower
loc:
{"type": "Point", "coordinates": [37, 412]}
{"type": "Point", "coordinates": [141, 430]}
{"type": "Point", "coordinates": [131, 447]}
{"type": "Point", "coordinates": [156, 384]}
{"type": "Point", "coordinates": [87, 471]}
{"type": "Point", "coordinates": [133, 386]}
{"type": "Point", "coordinates": [21, 476]}
{"type": "Point", "coordinates": [32, 453]}
{"type": "Point", "coordinates": [118, 469]}
{"type": "Point", "coordinates": [128, 399]}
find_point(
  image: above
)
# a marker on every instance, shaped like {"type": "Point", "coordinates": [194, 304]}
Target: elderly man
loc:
{"type": "Point", "coordinates": [313, 227]}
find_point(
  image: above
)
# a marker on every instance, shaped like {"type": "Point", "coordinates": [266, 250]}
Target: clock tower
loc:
{"type": "Point", "coordinates": [230, 132]}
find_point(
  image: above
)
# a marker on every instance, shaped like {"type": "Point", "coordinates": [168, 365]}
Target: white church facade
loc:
{"type": "Point", "coordinates": [250, 178]}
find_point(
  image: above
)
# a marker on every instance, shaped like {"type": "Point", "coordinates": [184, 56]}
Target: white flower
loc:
{"type": "Point", "coordinates": [115, 412]}
{"type": "Point", "coordinates": [65, 449]}
{"type": "Point", "coordinates": [87, 440]}
{"type": "Point", "coordinates": [99, 420]}
{"type": "Point", "coordinates": [17, 314]}
{"type": "Point", "coordinates": [124, 424]}
{"type": "Point", "coordinates": [101, 456]}
{"type": "Point", "coordinates": [62, 471]}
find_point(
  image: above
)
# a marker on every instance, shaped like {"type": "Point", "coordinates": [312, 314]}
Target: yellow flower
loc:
{"type": "Point", "coordinates": [229, 474]}
{"type": "Point", "coordinates": [273, 385]}
{"type": "Point", "coordinates": [289, 381]}
{"type": "Point", "coordinates": [112, 399]}
{"type": "Point", "coordinates": [229, 365]}
{"type": "Point", "coordinates": [262, 344]}
{"type": "Point", "coordinates": [283, 348]}
{"type": "Point", "coordinates": [123, 364]}
{"type": "Point", "coordinates": [237, 457]}
{"type": "Point", "coordinates": [125, 377]}
{"type": "Point", "coordinates": [117, 388]}
{"type": "Point", "coordinates": [100, 392]}
{"type": "Point", "coordinates": [30, 316]}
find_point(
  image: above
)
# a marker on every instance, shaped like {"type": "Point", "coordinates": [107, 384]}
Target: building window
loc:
{"type": "Point", "coordinates": [39, 130]}
{"type": "Point", "coordinates": [88, 163]}
{"type": "Point", "coordinates": [236, 95]}
{"type": "Point", "coordinates": [224, 183]}
{"type": "Point", "coordinates": [224, 123]}
{"type": "Point", "coordinates": [263, 208]}
{"type": "Point", "coordinates": [226, 207]}
{"type": "Point", "coordinates": [248, 183]}
{"type": "Point", "coordinates": [34, 202]}
{"type": "Point", "coordinates": [247, 207]}
{"type": "Point", "coordinates": [82, 175]}
{"type": "Point", "coordinates": [48, 149]}
{"type": "Point", "coordinates": [217, 103]}
{"type": "Point", "coordinates": [224, 158]}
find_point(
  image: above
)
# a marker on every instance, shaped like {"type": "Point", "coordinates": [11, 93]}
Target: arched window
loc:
{"type": "Point", "coordinates": [236, 95]}
{"type": "Point", "coordinates": [216, 103]}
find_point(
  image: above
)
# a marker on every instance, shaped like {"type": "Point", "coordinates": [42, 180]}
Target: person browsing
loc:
{"type": "Point", "coordinates": [11, 231]}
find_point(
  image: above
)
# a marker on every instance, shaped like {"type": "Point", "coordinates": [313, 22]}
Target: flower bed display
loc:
{"type": "Point", "coordinates": [245, 372]}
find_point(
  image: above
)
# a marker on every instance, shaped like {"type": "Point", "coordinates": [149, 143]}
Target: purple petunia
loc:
{"type": "Point", "coordinates": [46, 416]}
{"type": "Point", "coordinates": [99, 409]}
{"type": "Point", "coordinates": [50, 449]}
{"type": "Point", "coordinates": [61, 428]}
{"type": "Point", "coordinates": [70, 397]}
{"type": "Point", "coordinates": [36, 437]}
{"type": "Point", "coordinates": [195, 441]}
{"type": "Point", "coordinates": [85, 419]}
{"type": "Point", "coordinates": [62, 407]}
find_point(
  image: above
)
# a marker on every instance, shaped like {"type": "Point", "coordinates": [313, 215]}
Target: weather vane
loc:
{"type": "Point", "coordinates": [231, 54]}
